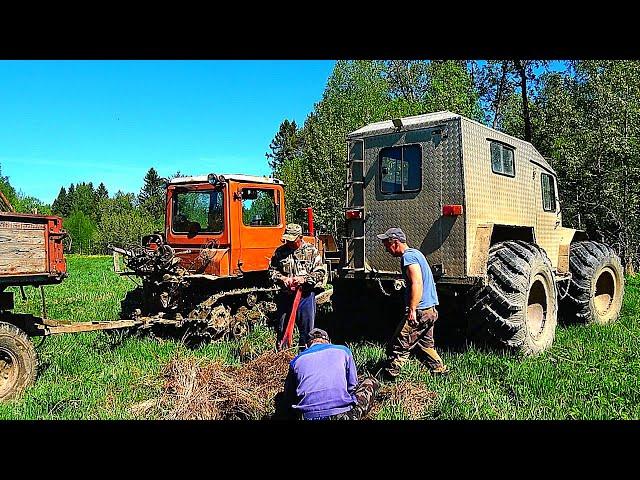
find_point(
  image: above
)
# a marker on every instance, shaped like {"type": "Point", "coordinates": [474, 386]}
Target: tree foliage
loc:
{"type": "Point", "coordinates": [21, 202]}
{"type": "Point", "coordinates": [8, 191]}
{"type": "Point", "coordinates": [312, 160]}
{"type": "Point", "coordinates": [83, 232]}
{"type": "Point", "coordinates": [587, 120]}
{"type": "Point", "coordinates": [151, 198]}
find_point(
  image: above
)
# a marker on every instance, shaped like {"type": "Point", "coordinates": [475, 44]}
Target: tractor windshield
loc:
{"type": "Point", "coordinates": [198, 211]}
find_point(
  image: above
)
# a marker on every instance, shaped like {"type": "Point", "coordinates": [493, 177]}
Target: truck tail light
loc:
{"type": "Point", "coordinates": [451, 210]}
{"type": "Point", "coordinates": [353, 214]}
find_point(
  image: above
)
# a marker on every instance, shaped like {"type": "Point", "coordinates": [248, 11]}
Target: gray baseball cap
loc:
{"type": "Point", "coordinates": [318, 333]}
{"type": "Point", "coordinates": [393, 234]}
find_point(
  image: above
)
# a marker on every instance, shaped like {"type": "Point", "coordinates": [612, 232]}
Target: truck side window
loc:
{"type": "Point", "coordinates": [502, 161]}
{"type": "Point", "coordinates": [548, 193]}
{"type": "Point", "coordinates": [259, 208]}
{"type": "Point", "coordinates": [401, 169]}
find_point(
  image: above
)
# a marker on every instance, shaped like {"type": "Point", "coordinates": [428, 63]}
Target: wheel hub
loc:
{"type": "Point", "coordinates": [8, 370]}
{"type": "Point", "coordinates": [537, 307]}
{"type": "Point", "coordinates": [605, 291]}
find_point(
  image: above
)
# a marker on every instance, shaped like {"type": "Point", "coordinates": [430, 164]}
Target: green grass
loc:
{"type": "Point", "coordinates": [589, 373]}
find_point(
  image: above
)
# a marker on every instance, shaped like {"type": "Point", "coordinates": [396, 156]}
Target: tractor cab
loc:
{"type": "Point", "coordinates": [224, 225]}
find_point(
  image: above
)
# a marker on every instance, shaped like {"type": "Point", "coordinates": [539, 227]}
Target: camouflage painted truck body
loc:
{"type": "Point", "coordinates": [460, 190]}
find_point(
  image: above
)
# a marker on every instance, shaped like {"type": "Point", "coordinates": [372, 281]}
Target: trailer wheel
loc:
{"type": "Point", "coordinates": [18, 361]}
{"type": "Point", "coordinates": [517, 309]}
{"type": "Point", "coordinates": [596, 287]}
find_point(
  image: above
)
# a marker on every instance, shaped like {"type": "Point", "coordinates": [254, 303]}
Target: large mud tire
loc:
{"type": "Point", "coordinates": [596, 287]}
{"type": "Point", "coordinates": [518, 309]}
{"type": "Point", "coordinates": [18, 361]}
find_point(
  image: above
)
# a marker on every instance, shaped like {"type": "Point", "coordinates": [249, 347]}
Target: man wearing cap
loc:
{"type": "Point", "coordinates": [322, 383]}
{"type": "Point", "coordinates": [296, 264]}
{"type": "Point", "coordinates": [416, 327]}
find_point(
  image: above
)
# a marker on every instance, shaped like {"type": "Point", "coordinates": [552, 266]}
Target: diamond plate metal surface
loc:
{"type": "Point", "coordinates": [456, 158]}
{"type": "Point", "coordinates": [441, 239]}
{"type": "Point", "coordinates": [492, 198]}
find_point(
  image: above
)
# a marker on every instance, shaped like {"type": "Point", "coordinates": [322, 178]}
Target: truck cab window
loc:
{"type": "Point", "coordinates": [259, 208]}
{"type": "Point", "coordinates": [401, 169]}
{"type": "Point", "coordinates": [548, 193]}
{"type": "Point", "coordinates": [198, 211]}
{"type": "Point", "coordinates": [502, 161]}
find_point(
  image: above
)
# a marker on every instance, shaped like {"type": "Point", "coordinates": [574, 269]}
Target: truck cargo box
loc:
{"type": "Point", "coordinates": [31, 250]}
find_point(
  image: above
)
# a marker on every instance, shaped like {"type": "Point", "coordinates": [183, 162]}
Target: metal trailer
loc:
{"type": "Point", "coordinates": [31, 254]}
{"type": "Point", "coordinates": [472, 199]}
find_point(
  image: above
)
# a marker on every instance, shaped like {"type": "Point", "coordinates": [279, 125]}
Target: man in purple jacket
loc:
{"type": "Point", "coordinates": [322, 383]}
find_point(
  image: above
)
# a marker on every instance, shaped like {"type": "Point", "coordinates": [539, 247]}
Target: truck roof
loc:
{"type": "Point", "coordinates": [229, 176]}
{"type": "Point", "coordinates": [428, 119]}
{"type": "Point", "coordinates": [414, 121]}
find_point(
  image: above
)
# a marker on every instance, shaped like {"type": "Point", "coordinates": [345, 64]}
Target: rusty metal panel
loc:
{"type": "Point", "coordinates": [419, 214]}
{"type": "Point", "coordinates": [499, 199]}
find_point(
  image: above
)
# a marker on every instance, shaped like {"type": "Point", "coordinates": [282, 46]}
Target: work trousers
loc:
{"type": "Point", "coordinates": [407, 337]}
{"type": "Point", "coordinates": [305, 318]}
{"type": "Point", "coordinates": [365, 393]}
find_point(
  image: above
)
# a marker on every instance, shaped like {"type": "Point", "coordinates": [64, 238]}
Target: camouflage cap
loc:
{"type": "Point", "coordinates": [393, 234]}
{"type": "Point", "coordinates": [292, 232]}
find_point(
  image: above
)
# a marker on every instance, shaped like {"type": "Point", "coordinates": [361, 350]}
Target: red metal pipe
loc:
{"type": "Point", "coordinates": [288, 333]}
{"type": "Point", "coordinates": [310, 220]}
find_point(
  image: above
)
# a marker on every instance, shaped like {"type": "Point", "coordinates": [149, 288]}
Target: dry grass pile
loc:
{"type": "Point", "coordinates": [198, 390]}
{"type": "Point", "coordinates": [413, 398]}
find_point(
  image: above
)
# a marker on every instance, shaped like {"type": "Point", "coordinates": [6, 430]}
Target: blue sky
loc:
{"type": "Point", "coordinates": [67, 122]}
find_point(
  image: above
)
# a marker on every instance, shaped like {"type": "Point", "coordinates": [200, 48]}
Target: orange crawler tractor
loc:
{"type": "Point", "coordinates": [205, 277]}
{"type": "Point", "coordinates": [207, 274]}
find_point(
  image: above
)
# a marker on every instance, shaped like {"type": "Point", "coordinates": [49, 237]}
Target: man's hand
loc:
{"type": "Point", "coordinates": [412, 318]}
{"type": "Point", "coordinates": [297, 281]}
{"type": "Point", "coordinates": [287, 281]}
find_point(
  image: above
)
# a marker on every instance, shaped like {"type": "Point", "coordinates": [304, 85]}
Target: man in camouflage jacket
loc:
{"type": "Point", "coordinates": [296, 264]}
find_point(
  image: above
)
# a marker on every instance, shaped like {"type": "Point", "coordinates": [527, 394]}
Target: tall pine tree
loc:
{"type": "Point", "coordinates": [285, 145]}
{"type": "Point", "coordinates": [152, 195]}
{"type": "Point", "coordinates": [102, 193]}
{"type": "Point", "coordinates": [60, 205]}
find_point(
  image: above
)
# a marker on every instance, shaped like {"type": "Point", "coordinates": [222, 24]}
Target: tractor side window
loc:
{"type": "Point", "coordinates": [401, 169]}
{"type": "Point", "coordinates": [198, 212]}
{"type": "Point", "coordinates": [548, 193]}
{"type": "Point", "coordinates": [259, 208]}
{"type": "Point", "coordinates": [502, 159]}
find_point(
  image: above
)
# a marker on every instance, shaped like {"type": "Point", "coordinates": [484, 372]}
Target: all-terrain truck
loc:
{"type": "Point", "coordinates": [483, 207]}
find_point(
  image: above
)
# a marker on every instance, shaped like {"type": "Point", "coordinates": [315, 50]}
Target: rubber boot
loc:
{"type": "Point", "coordinates": [435, 363]}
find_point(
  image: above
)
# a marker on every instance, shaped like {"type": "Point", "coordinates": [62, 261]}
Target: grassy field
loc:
{"type": "Point", "coordinates": [589, 373]}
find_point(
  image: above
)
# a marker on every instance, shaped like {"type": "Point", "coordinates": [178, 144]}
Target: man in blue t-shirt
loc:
{"type": "Point", "coordinates": [322, 383]}
{"type": "Point", "coordinates": [421, 298]}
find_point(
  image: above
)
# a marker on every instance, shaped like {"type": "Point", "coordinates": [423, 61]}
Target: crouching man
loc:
{"type": "Point", "coordinates": [322, 383]}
